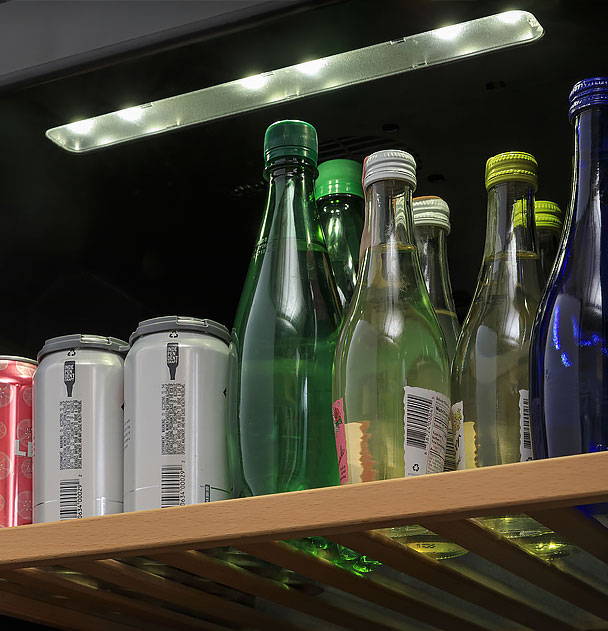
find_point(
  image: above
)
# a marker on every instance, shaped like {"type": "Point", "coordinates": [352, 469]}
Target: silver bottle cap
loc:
{"type": "Point", "coordinates": [389, 164]}
{"type": "Point", "coordinates": [431, 211]}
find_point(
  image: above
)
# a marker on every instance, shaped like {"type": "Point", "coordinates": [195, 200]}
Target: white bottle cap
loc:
{"type": "Point", "coordinates": [389, 164]}
{"type": "Point", "coordinates": [431, 211]}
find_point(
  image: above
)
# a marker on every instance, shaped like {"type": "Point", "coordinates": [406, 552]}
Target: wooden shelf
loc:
{"type": "Point", "coordinates": [89, 574]}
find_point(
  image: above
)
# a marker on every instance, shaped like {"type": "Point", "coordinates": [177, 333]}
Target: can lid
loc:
{"type": "Point", "coordinates": [389, 164]}
{"type": "Point", "coordinates": [512, 166]}
{"type": "Point", "coordinates": [431, 210]}
{"type": "Point", "coordinates": [339, 177]}
{"type": "Point", "coordinates": [83, 340]}
{"type": "Point", "coordinates": [16, 358]}
{"type": "Point", "coordinates": [181, 323]}
{"type": "Point", "coordinates": [290, 138]}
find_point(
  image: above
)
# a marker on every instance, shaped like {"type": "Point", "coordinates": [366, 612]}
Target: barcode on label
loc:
{"type": "Point", "coordinates": [417, 421]}
{"type": "Point", "coordinates": [173, 419]}
{"type": "Point", "coordinates": [426, 428]}
{"type": "Point", "coordinates": [450, 453]}
{"type": "Point", "coordinates": [172, 486]}
{"type": "Point", "coordinates": [524, 426]}
{"type": "Point", "coordinates": [70, 499]}
{"type": "Point", "coordinates": [70, 434]}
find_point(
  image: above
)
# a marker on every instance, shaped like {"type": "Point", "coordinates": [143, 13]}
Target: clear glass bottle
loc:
{"type": "Point", "coordinates": [548, 220]}
{"type": "Point", "coordinates": [569, 363]}
{"type": "Point", "coordinates": [490, 374]}
{"type": "Point", "coordinates": [391, 372]}
{"type": "Point", "coordinates": [432, 227]}
{"type": "Point", "coordinates": [340, 205]}
{"type": "Point", "coordinates": [285, 332]}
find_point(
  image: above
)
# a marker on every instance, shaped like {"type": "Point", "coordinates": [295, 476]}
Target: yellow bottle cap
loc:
{"type": "Point", "coordinates": [512, 166]}
{"type": "Point", "coordinates": [548, 215]}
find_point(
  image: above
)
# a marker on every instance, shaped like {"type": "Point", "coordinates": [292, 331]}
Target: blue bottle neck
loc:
{"type": "Point", "coordinates": [591, 173]}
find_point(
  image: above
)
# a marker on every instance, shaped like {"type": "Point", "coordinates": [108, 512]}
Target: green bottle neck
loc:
{"type": "Point", "coordinates": [510, 221]}
{"type": "Point", "coordinates": [290, 211]}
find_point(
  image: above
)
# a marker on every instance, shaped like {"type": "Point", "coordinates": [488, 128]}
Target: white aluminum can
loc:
{"type": "Point", "coordinates": [175, 413]}
{"type": "Point", "coordinates": [78, 428]}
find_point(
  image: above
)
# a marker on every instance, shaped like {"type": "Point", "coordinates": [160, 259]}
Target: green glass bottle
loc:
{"type": "Point", "coordinates": [490, 372]}
{"type": "Point", "coordinates": [391, 372]}
{"type": "Point", "coordinates": [285, 332]}
{"type": "Point", "coordinates": [340, 204]}
{"type": "Point", "coordinates": [549, 221]}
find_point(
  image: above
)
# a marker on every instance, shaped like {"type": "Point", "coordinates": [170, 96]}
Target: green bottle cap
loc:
{"type": "Point", "coordinates": [290, 138]}
{"type": "Point", "coordinates": [512, 166]}
{"type": "Point", "coordinates": [547, 215]}
{"type": "Point", "coordinates": [339, 176]}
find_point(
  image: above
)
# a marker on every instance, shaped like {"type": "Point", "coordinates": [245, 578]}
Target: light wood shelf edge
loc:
{"type": "Point", "coordinates": [537, 485]}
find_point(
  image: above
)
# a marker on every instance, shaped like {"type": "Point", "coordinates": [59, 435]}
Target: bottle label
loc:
{"type": "Point", "coordinates": [525, 438]}
{"type": "Point", "coordinates": [425, 428]}
{"type": "Point", "coordinates": [454, 452]}
{"type": "Point", "coordinates": [340, 433]}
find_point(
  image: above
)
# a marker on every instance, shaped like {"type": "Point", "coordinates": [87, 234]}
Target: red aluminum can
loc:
{"type": "Point", "coordinates": [16, 447]}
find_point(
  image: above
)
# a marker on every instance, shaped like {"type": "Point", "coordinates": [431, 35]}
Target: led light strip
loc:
{"type": "Point", "coordinates": [414, 52]}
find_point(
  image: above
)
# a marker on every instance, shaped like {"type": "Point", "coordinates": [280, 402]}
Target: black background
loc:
{"type": "Point", "coordinates": [95, 243]}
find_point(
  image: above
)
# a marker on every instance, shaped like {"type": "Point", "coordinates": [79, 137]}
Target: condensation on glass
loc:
{"type": "Point", "coordinates": [450, 43]}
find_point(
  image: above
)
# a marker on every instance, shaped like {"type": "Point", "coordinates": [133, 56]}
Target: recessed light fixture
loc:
{"type": "Point", "coordinates": [309, 78]}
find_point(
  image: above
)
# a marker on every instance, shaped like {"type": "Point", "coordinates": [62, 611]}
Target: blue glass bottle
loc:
{"type": "Point", "coordinates": [569, 353]}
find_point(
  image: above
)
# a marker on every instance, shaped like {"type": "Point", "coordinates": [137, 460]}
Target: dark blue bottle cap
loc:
{"type": "Point", "coordinates": [587, 93]}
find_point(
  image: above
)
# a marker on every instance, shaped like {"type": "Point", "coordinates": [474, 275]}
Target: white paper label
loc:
{"type": "Point", "coordinates": [454, 453]}
{"type": "Point", "coordinates": [525, 438]}
{"type": "Point", "coordinates": [426, 428]}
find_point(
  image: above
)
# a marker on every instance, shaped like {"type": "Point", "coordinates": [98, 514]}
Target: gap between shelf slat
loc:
{"type": "Point", "coordinates": [441, 576]}
{"type": "Point", "coordinates": [396, 600]}
{"type": "Point", "coordinates": [165, 590]}
{"type": "Point", "coordinates": [576, 528]}
{"type": "Point", "coordinates": [145, 611]}
{"type": "Point", "coordinates": [21, 606]}
{"type": "Point", "coordinates": [507, 555]}
{"type": "Point", "coordinates": [228, 574]}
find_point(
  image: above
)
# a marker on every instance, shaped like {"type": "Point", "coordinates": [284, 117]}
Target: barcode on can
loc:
{"type": "Point", "coordinates": [70, 499]}
{"type": "Point", "coordinates": [173, 419]}
{"type": "Point", "coordinates": [172, 486]}
{"type": "Point", "coordinates": [70, 434]}
{"type": "Point", "coordinates": [525, 449]}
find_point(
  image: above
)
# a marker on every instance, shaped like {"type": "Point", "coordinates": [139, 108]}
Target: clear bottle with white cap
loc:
{"type": "Point", "coordinates": [432, 226]}
{"type": "Point", "coordinates": [391, 372]}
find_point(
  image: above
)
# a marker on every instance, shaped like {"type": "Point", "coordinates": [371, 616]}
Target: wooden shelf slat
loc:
{"type": "Point", "coordinates": [396, 600]}
{"type": "Point", "coordinates": [132, 595]}
{"type": "Point", "coordinates": [578, 529]}
{"type": "Point", "coordinates": [502, 552]}
{"type": "Point", "coordinates": [165, 590]}
{"type": "Point", "coordinates": [441, 576]}
{"type": "Point", "coordinates": [20, 606]}
{"type": "Point", "coordinates": [233, 576]}
{"type": "Point", "coordinates": [536, 485]}
{"type": "Point", "coordinates": [145, 611]}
